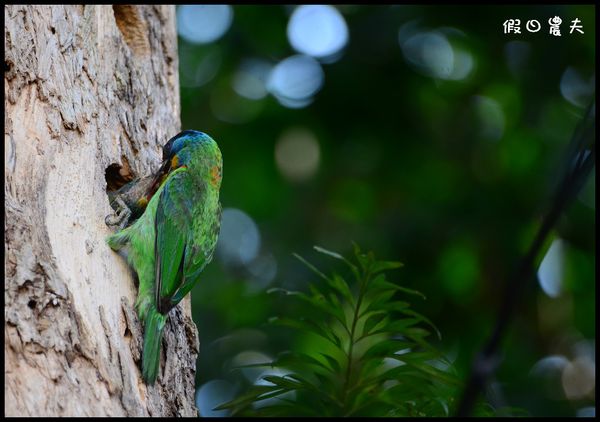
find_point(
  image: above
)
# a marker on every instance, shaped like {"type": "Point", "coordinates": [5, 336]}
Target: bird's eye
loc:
{"type": "Point", "coordinates": [167, 150]}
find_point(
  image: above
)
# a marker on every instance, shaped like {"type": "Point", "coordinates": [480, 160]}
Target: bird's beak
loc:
{"type": "Point", "coordinates": [159, 177]}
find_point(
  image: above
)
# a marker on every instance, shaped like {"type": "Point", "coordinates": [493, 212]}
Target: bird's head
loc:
{"type": "Point", "coordinates": [195, 149]}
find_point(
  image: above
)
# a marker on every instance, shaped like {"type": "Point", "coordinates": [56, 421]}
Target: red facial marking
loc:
{"type": "Point", "coordinates": [215, 174]}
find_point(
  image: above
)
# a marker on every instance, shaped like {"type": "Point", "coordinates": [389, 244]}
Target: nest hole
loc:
{"type": "Point", "coordinates": [117, 175]}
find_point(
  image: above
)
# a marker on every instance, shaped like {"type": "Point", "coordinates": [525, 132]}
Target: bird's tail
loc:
{"type": "Point", "coordinates": [155, 323]}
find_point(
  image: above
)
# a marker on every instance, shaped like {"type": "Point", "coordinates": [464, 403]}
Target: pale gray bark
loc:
{"type": "Point", "coordinates": [85, 87]}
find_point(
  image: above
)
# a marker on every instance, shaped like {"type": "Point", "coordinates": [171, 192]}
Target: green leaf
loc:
{"type": "Point", "coordinates": [318, 300]}
{"type": "Point", "coordinates": [422, 318]}
{"type": "Point", "coordinates": [417, 334]}
{"type": "Point", "coordinates": [381, 283]}
{"type": "Point", "coordinates": [303, 381]}
{"type": "Point", "coordinates": [340, 285]}
{"type": "Point", "coordinates": [326, 302]}
{"type": "Point", "coordinates": [330, 253]}
{"type": "Point", "coordinates": [297, 361]}
{"type": "Point", "coordinates": [395, 327]}
{"type": "Point", "coordinates": [309, 327]}
{"type": "Point", "coordinates": [386, 348]}
{"type": "Point", "coordinates": [379, 266]}
{"type": "Point", "coordinates": [335, 366]}
{"type": "Point", "coordinates": [375, 302]}
{"type": "Point", "coordinates": [364, 261]}
{"type": "Point", "coordinates": [373, 321]}
{"type": "Point", "coordinates": [338, 256]}
{"type": "Point", "coordinates": [327, 384]}
{"type": "Point", "coordinates": [248, 397]}
{"type": "Point", "coordinates": [432, 371]}
{"type": "Point", "coordinates": [338, 309]}
{"type": "Point", "coordinates": [304, 363]}
{"type": "Point", "coordinates": [310, 266]}
{"type": "Point", "coordinates": [410, 291]}
{"type": "Point", "coordinates": [284, 382]}
{"type": "Point", "coordinates": [395, 306]}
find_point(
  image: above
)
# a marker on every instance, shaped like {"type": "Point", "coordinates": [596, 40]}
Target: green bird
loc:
{"type": "Point", "coordinates": [169, 245]}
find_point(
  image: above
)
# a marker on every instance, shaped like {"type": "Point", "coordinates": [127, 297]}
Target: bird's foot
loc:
{"type": "Point", "coordinates": [121, 217]}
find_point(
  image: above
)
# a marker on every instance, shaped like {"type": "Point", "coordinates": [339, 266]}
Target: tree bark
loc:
{"type": "Point", "coordinates": [86, 87]}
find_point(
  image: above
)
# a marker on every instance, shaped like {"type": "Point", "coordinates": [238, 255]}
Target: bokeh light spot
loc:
{"type": "Point", "coordinates": [549, 365]}
{"type": "Point", "coordinates": [196, 70]}
{"type": "Point", "coordinates": [297, 154]}
{"type": "Point", "coordinates": [586, 412]}
{"type": "Point", "coordinates": [263, 270]}
{"type": "Point", "coordinates": [251, 357]}
{"type": "Point", "coordinates": [251, 79]}
{"type": "Point", "coordinates": [239, 240]}
{"type": "Point", "coordinates": [212, 394]}
{"type": "Point", "coordinates": [463, 65]}
{"type": "Point", "coordinates": [272, 400]}
{"type": "Point", "coordinates": [551, 271]}
{"type": "Point", "coordinates": [317, 30]}
{"type": "Point", "coordinates": [202, 24]}
{"type": "Point", "coordinates": [575, 89]}
{"type": "Point", "coordinates": [547, 374]}
{"type": "Point", "coordinates": [579, 378]}
{"type": "Point", "coordinates": [295, 80]}
{"type": "Point", "coordinates": [431, 53]}
{"type": "Point", "coordinates": [490, 118]}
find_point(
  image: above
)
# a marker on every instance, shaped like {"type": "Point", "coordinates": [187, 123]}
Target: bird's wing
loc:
{"type": "Point", "coordinates": [195, 259]}
{"type": "Point", "coordinates": [173, 223]}
{"type": "Point", "coordinates": [194, 264]}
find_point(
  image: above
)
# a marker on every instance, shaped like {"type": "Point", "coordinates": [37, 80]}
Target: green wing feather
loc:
{"type": "Point", "coordinates": [196, 260]}
{"type": "Point", "coordinates": [174, 219]}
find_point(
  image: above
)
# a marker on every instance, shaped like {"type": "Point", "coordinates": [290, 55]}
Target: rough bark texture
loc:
{"type": "Point", "coordinates": [85, 87]}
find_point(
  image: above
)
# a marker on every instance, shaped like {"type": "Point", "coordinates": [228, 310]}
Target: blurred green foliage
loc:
{"type": "Point", "coordinates": [370, 355]}
{"type": "Point", "coordinates": [450, 176]}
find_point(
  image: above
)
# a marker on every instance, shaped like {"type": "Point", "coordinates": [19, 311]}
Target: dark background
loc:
{"type": "Point", "coordinates": [434, 139]}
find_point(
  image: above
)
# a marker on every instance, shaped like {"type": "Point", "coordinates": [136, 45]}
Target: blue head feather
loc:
{"type": "Point", "coordinates": [177, 142]}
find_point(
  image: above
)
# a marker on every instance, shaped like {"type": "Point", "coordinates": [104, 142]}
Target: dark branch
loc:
{"type": "Point", "coordinates": [579, 164]}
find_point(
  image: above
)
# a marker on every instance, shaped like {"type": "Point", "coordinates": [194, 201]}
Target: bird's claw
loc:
{"type": "Point", "coordinates": [109, 220]}
{"type": "Point", "coordinates": [121, 217]}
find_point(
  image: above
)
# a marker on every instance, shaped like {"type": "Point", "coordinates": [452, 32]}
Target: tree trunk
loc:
{"type": "Point", "coordinates": [86, 87]}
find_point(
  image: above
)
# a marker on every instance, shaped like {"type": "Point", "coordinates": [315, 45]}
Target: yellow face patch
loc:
{"type": "Point", "coordinates": [174, 162]}
{"type": "Point", "coordinates": [143, 201]}
{"type": "Point", "coordinates": [215, 176]}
